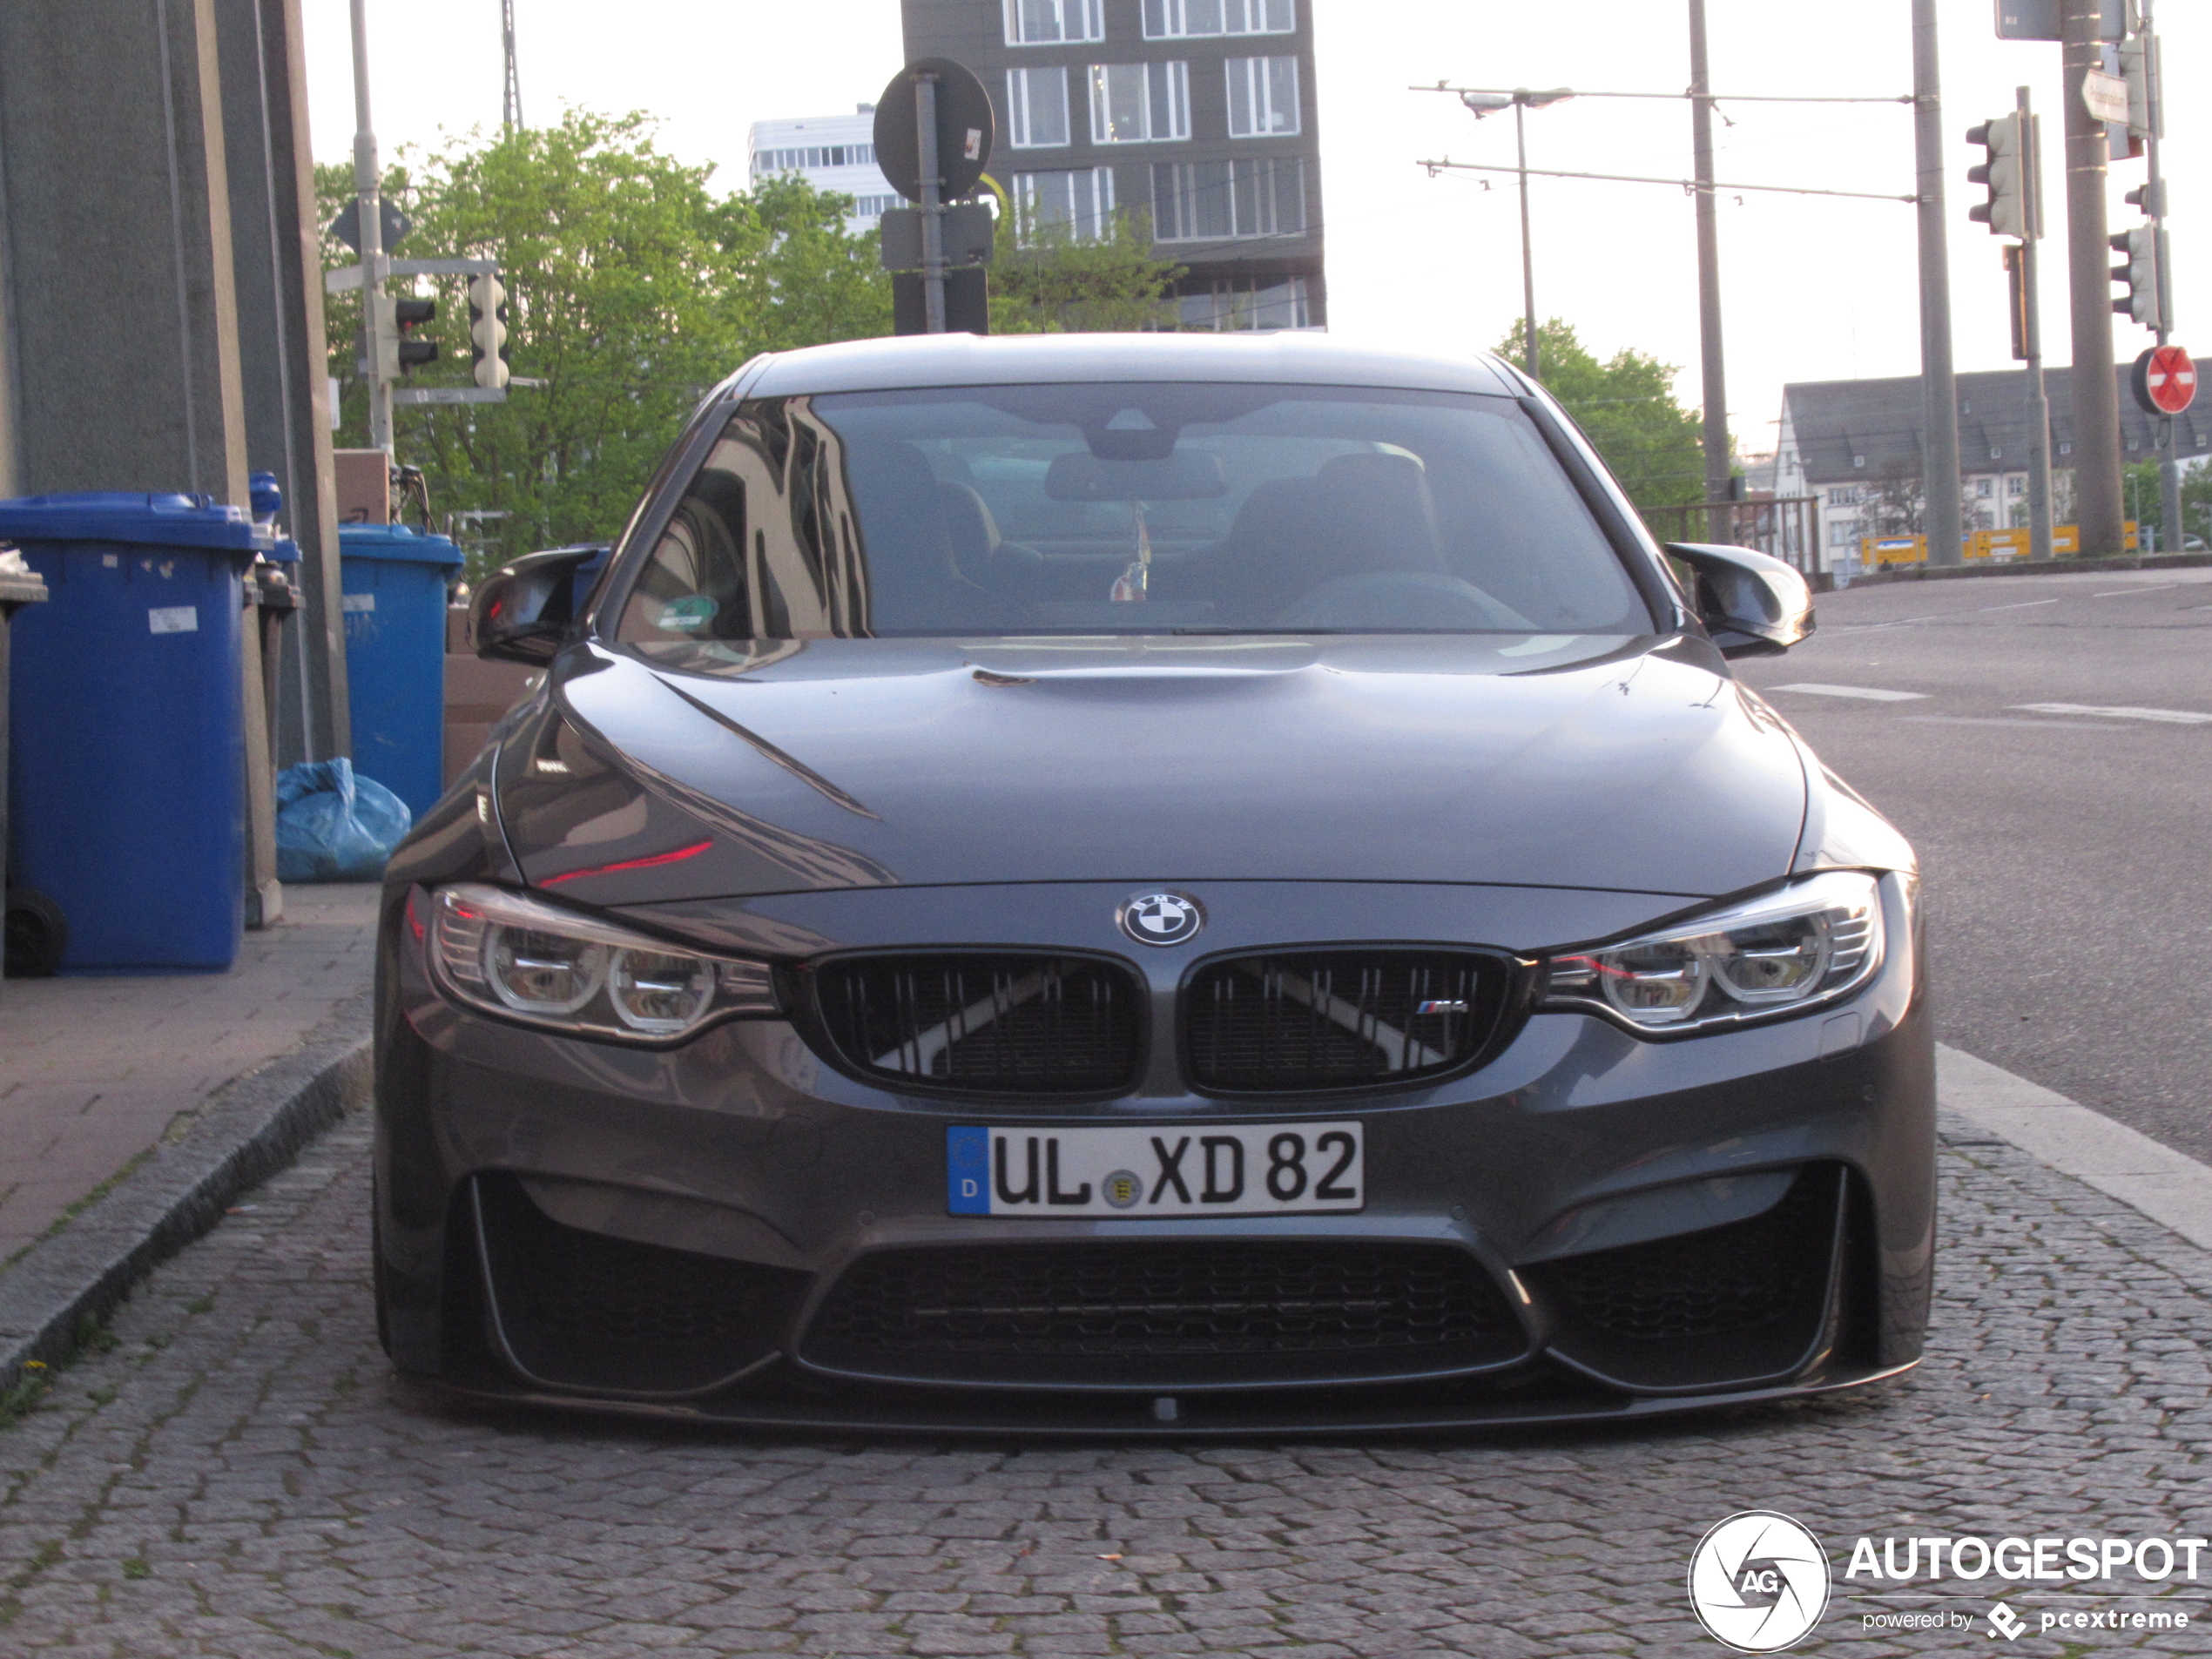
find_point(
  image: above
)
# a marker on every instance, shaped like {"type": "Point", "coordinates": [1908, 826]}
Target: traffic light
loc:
{"type": "Point", "coordinates": [2139, 62]}
{"type": "Point", "coordinates": [488, 329]}
{"type": "Point", "coordinates": [404, 352]}
{"type": "Point", "coordinates": [2005, 176]}
{"type": "Point", "coordinates": [2138, 279]}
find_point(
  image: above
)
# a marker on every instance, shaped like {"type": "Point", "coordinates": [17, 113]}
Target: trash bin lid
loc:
{"type": "Point", "coordinates": [119, 515]}
{"type": "Point", "coordinates": [287, 551]}
{"type": "Point", "coordinates": [396, 542]}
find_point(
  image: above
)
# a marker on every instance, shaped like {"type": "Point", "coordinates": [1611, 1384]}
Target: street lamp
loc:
{"type": "Point", "coordinates": [1520, 100]}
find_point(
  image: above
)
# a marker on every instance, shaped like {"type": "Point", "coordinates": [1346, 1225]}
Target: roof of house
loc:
{"type": "Point", "coordinates": [1834, 421]}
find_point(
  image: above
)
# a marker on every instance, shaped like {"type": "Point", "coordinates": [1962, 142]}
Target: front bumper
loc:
{"type": "Point", "coordinates": [1649, 1226]}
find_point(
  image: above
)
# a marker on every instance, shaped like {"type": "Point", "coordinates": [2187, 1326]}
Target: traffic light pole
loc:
{"type": "Point", "coordinates": [2096, 392]}
{"type": "Point", "coordinates": [2039, 404]}
{"type": "Point", "coordinates": [2174, 535]}
{"type": "Point", "coordinates": [367, 190]}
{"type": "Point", "coordinates": [1941, 518]}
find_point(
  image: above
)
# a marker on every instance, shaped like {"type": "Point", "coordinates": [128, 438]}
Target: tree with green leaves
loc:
{"type": "Point", "coordinates": [633, 286]}
{"type": "Point", "coordinates": [1627, 406]}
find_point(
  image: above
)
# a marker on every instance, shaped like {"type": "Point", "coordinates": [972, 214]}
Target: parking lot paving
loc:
{"type": "Point", "coordinates": [239, 1474]}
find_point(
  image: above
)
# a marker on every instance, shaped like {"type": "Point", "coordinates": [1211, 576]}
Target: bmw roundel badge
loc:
{"type": "Point", "coordinates": [1161, 918]}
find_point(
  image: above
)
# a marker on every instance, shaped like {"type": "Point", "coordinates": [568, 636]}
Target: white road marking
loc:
{"type": "Point", "coordinates": [2011, 720]}
{"type": "Point", "coordinates": [1941, 616]}
{"type": "Point", "coordinates": [2122, 593]}
{"type": "Point", "coordinates": [2170, 1188]}
{"type": "Point", "coordinates": [2172, 716]}
{"type": "Point", "coordinates": [1871, 693]}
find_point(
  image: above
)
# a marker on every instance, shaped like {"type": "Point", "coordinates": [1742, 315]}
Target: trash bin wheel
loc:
{"type": "Point", "coordinates": [38, 935]}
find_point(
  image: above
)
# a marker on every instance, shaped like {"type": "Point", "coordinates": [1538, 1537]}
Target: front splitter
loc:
{"type": "Point", "coordinates": [1194, 1417]}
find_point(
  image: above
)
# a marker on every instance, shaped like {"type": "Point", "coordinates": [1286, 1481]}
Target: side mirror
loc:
{"type": "Point", "coordinates": [525, 612]}
{"type": "Point", "coordinates": [1751, 605]}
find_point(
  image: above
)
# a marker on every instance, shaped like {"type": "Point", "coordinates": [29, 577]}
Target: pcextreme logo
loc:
{"type": "Point", "coordinates": [1759, 1581]}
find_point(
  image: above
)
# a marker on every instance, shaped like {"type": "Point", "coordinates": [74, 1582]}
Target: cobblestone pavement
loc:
{"type": "Point", "coordinates": [241, 1475]}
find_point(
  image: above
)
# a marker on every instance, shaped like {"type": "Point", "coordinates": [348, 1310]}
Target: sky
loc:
{"type": "Point", "coordinates": [1812, 288]}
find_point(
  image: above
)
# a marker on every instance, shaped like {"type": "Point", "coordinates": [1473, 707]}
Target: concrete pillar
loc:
{"type": "Point", "coordinates": [282, 357]}
{"type": "Point", "coordinates": [123, 311]}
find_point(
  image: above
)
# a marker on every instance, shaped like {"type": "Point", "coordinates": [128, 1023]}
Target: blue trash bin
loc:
{"type": "Point", "coordinates": [394, 584]}
{"type": "Point", "coordinates": [127, 746]}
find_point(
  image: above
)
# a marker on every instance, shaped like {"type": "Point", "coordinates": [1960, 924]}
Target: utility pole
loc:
{"type": "Point", "coordinates": [1711, 357]}
{"type": "Point", "coordinates": [2169, 466]}
{"type": "Point", "coordinates": [1939, 446]}
{"type": "Point", "coordinates": [2096, 392]}
{"type": "Point", "coordinates": [1527, 260]}
{"type": "Point", "coordinates": [371, 209]}
{"type": "Point", "coordinates": [510, 94]}
{"type": "Point", "coordinates": [2030, 302]}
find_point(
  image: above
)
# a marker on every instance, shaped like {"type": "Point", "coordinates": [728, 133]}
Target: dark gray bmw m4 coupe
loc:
{"type": "Point", "coordinates": [1147, 884]}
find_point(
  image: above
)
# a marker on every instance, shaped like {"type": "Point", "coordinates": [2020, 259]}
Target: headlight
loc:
{"type": "Point", "coordinates": [1783, 952]}
{"type": "Point", "coordinates": [526, 960]}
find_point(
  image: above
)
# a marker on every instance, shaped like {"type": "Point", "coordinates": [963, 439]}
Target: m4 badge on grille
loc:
{"type": "Point", "coordinates": [1211, 1170]}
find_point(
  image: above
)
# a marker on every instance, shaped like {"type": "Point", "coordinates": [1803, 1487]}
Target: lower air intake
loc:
{"type": "Point", "coordinates": [1743, 1301]}
{"type": "Point", "coordinates": [1320, 1020]}
{"type": "Point", "coordinates": [1037, 1027]}
{"type": "Point", "coordinates": [582, 1310]}
{"type": "Point", "coordinates": [1156, 1314]}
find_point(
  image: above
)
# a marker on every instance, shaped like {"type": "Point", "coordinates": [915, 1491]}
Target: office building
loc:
{"type": "Point", "coordinates": [1196, 115]}
{"type": "Point", "coordinates": [830, 152]}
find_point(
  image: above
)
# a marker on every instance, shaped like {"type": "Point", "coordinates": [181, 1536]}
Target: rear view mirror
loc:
{"type": "Point", "coordinates": [1752, 605]}
{"type": "Point", "coordinates": [524, 613]}
{"type": "Point", "coordinates": [1187, 475]}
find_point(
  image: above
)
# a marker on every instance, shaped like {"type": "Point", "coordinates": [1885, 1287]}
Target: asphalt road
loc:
{"type": "Point", "coordinates": [2068, 855]}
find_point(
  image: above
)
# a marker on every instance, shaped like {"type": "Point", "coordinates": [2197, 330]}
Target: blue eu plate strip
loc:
{"type": "Point", "coordinates": [968, 1170]}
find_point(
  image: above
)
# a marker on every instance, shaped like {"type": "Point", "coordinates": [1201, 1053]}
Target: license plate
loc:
{"type": "Point", "coordinates": [1133, 1169]}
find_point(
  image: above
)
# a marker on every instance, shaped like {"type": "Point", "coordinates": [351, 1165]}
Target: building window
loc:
{"type": "Point", "coordinates": [1844, 496]}
{"type": "Point", "coordinates": [1082, 200]}
{"type": "Point", "coordinates": [1263, 96]}
{"type": "Point", "coordinates": [1858, 461]}
{"type": "Point", "coordinates": [1240, 303]}
{"type": "Point", "coordinates": [1843, 532]}
{"type": "Point", "coordinates": [1036, 107]}
{"type": "Point", "coordinates": [1218, 200]}
{"type": "Point", "coordinates": [1189, 19]}
{"type": "Point", "coordinates": [812, 155]}
{"type": "Point", "coordinates": [873, 207]}
{"type": "Point", "coordinates": [1045, 23]}
{"type": "Point", "coordinates": [2016, 485]}
{"type": "Point", "coordinates": [1134, 103]}
{"type": "Point", "coordinates": [1985, 488]}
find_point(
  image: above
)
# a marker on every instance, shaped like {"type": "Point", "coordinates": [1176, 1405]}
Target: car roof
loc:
{"type": "Point", "coordinates": [973, 359]}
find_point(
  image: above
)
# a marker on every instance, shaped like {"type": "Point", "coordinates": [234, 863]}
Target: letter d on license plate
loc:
{"type": "Point", "coordinates": [1150, 1169]}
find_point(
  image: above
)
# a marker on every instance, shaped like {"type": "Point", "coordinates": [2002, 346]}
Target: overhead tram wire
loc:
{"type": "Point", "coordinates": [1687, 186]}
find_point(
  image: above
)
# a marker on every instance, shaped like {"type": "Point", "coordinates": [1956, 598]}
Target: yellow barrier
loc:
{"type": "Point", "coordinates": [1999, 546]}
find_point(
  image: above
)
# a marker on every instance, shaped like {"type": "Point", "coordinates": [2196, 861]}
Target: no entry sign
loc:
{"type": "Point", "coordinates": [2165, 380]}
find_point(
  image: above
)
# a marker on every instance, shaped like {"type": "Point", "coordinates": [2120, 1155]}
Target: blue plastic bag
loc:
{"type": "Point", "coordinates": [333, 827]}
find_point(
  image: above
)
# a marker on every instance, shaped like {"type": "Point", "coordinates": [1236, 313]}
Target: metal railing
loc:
{"type": "Point", "coordinates": [1785, 527]}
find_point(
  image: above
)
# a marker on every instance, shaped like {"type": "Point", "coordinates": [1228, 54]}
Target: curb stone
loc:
{"type": "Point", "coordinates": [247, 1131]}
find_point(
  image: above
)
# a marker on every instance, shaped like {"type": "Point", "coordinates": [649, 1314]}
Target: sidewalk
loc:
{"type": "Point", "coordinates": [96, 1072]}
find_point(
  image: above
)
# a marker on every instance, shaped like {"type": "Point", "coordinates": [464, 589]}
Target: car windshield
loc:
{"type": "Point", "coordinates": [1126, 508]}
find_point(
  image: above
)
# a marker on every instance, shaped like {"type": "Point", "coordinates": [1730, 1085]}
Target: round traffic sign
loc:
{"type": "Point", "coordinates": [965, 129]}
{"type": "Point", "coordinates": [2165, 380]}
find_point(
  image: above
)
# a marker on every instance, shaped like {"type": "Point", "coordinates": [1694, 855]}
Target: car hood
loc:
{"type": "Point", "coordinates": [1636, 764]}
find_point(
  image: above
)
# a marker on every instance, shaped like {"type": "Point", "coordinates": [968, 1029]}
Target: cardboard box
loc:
{"type": "Point", "coordinates": [362, 479]}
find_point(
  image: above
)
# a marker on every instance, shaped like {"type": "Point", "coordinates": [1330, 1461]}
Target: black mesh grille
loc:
{"type": "Point", "coordinates": [1722, 1281]}
{"type": "Point", "coordinates": [1338, 1019]}
{"type": "Point", "coordinates": [584, 1310]}
{"type": "Point", "coordinates": [1003, 1024]}
{"type": "Point", "coordinates": [1188, 1311]}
